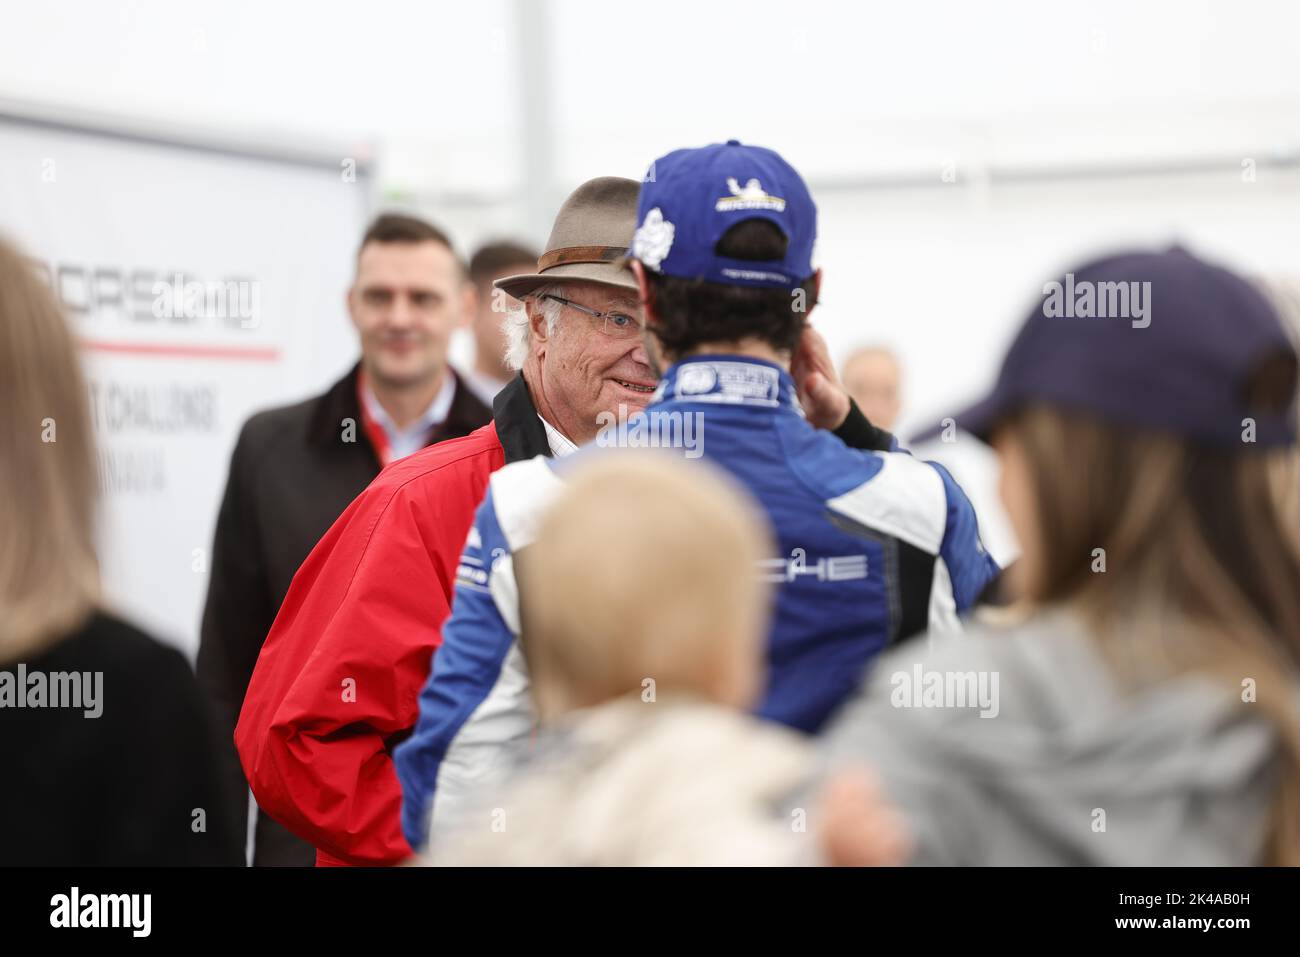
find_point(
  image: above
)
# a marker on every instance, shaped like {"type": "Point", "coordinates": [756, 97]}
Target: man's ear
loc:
{"type": "Point", "coordinates": [536, 326]}
{"type": "Point", "coordinates": [645, 298]}
{"type": "Point", "coordinates": [350, 301]}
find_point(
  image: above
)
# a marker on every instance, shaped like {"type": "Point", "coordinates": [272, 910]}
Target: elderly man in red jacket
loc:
{"type": "Point", "coordinates": [335, 686]}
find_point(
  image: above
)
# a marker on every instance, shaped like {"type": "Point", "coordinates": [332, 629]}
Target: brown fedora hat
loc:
{"type": "Point", "coordinates": [592, 232]}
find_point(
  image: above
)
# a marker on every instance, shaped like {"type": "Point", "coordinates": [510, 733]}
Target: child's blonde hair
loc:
{"type": "Point", "coordinates": [644, 578]}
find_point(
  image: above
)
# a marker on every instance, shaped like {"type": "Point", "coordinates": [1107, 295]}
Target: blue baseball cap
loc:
{"type": "Point", "coordinates": [690, 197]}
{"type": "Point", "coordinates": [1156, 340]}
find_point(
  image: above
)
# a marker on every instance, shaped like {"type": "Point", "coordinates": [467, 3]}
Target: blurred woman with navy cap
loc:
{"type": "Point", "coordinates": [1139, 705]}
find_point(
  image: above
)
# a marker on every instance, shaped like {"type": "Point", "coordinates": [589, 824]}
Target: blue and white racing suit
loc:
{"type": "Point", "coordinates": [871, 547]}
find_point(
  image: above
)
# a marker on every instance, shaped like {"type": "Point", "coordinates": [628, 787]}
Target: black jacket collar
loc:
{"type": "Point", "coordinates": [339, 403]}
{"type": "Point", "coordinates": [519, 427]}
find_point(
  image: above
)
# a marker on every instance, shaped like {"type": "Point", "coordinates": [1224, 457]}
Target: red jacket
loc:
{"type": "Point", "coordinates": [337, 682]}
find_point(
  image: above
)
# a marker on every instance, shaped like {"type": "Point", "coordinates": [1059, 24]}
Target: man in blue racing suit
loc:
{"type": "Point", "coordinates": [872, 546]}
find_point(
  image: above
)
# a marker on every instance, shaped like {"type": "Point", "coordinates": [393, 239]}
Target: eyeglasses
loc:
{"type": "Point", "coordinates": [617, 325]}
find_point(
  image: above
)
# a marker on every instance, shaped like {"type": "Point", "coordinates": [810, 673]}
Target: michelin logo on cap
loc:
{"type": "Point", "coordinates": [653, 239]}
{"type": "Point", "coordinates": [749, 196]}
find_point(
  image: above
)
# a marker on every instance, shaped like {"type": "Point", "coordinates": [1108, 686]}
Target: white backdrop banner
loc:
{"type": "Point", "coordinates": [203, 284]}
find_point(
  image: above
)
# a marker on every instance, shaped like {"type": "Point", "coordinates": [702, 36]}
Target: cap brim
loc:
{"type": "Point", "coordinates": [979, 419]}
{"type": "Point", "coordinates": [605, 274]}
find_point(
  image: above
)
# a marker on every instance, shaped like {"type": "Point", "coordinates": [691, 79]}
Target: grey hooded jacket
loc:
{"type": "Point", "coordinates": [1064, 767]}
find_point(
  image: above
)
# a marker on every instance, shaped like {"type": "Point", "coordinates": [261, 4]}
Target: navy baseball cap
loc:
{"type": "Point", "coordinates": [690, 197]}
{"type": "Point", "coordinates": [1162, 341]}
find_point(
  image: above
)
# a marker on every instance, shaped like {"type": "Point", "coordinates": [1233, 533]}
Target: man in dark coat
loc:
{"type": "Point", "coordinates": [295, 469]}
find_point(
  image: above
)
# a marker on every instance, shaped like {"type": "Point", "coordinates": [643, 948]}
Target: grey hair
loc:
{"type": "Point", "coordinates": [519, 336]}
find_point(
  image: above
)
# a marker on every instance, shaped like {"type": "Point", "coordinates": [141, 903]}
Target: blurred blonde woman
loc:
{"type": "Point", "coordinates": [642, 669]}
{"type": "Point", "coordinates": [1142, 709]}
{"type": "Point", "coordinates": [102, 728]}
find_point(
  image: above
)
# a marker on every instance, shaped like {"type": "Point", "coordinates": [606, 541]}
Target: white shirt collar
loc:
{"type": "Point", "coordinates": [559, 443]}
{"type": "Point", "coordinates": [403, 442]}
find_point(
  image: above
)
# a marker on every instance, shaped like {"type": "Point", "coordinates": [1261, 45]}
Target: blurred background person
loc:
{"type": "Point", "coordinates": [490, 262]}
{"type": "Point", "coordinates": [125, 771]}
{"type": "Point", "coordinates": [645, 754]}
{"type": "Point", "coordinates": [295, 469]}
{"type": "Point", "coordinates": [1141, 706]}
{"type": "Point", "coordinates": [873, 376]}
